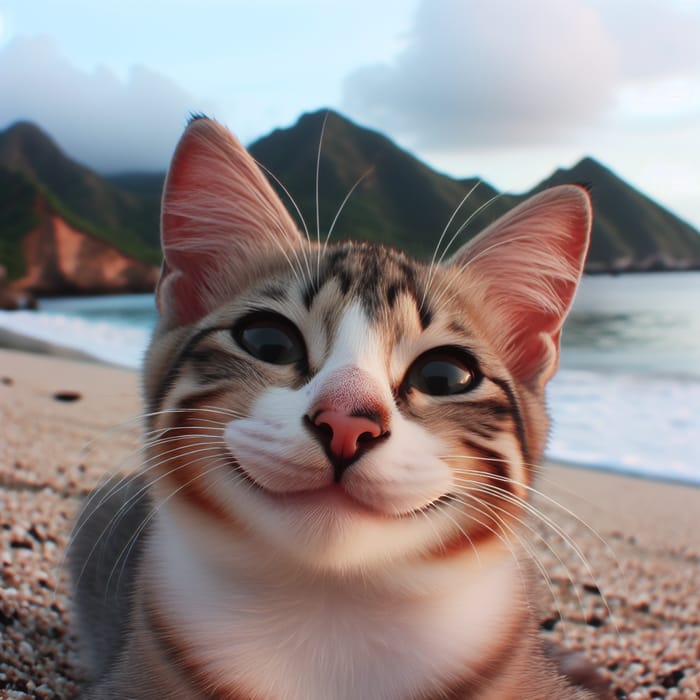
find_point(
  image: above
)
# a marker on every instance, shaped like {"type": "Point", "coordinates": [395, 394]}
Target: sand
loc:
{"type": "Point", "coordinates": [625, 588]}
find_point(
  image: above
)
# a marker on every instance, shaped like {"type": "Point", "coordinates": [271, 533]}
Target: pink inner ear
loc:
{"type": "Point", "coordinates": [218, 211]}
{"type": "Point", "coordinates": [524, 270]}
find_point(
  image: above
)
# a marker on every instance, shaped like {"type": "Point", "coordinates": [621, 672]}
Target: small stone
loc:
{"type": "Point", "coordinates": [672, 679]}
{"type": "Point", "coordinates": [67, 396]}
{"type": "Point", "coordinates": [26, 651]}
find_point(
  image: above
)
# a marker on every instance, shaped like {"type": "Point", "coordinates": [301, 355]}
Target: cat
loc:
{"type": "Point", "coordinates": [339, 446]}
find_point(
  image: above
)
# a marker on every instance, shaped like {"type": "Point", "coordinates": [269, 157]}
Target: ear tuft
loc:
{"type": "Point", "coordinates": [524, 270]}
{"type": "Point", "coordinates": [196, 115]}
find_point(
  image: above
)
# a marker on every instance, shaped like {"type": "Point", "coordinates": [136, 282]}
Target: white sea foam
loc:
{"type": "Point", "coordinates": [635, 423]}
{"type": "Point", "coordinates": [117, 344]}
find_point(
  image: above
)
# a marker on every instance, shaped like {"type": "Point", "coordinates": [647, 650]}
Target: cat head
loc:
{"type": "Point", "coordinates": [345, 405]}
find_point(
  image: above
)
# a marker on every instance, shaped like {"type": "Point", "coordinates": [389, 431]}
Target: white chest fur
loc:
{"type": "Point", "coordinates": [292, 636]}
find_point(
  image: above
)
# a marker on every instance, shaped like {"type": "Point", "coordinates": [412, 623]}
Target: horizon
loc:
{"type": "Point", "coordinates": [499, 91]}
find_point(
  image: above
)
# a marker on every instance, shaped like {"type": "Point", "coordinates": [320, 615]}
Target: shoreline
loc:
{"type": "Point", "coordinates": [622, 562]}
{"type": "Point", "coordinates": [10, 340]}
{"type": "Point", "coordinates": [20, 342]}
{"type": "Point", "coordinates": [631, 474]}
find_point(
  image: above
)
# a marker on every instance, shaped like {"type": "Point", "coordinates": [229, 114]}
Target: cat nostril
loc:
{"type": "Point", "coordinates": [325, 429]}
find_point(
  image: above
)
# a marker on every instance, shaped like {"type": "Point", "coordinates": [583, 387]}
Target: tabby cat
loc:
{"type": "Point", "coordinates": [339, 446]}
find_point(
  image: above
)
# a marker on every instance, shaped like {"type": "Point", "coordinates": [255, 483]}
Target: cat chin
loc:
{"type": "Point", "coordinates": [327, 529]}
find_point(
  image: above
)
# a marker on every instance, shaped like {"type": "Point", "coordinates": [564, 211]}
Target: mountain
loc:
{"type": "Point", "coordinates": [42, 253]}
{"type": "Point", "coordinates": [66, 229]}
{"type": "Point", "coordinates": [79, 194]}
{"type": "Point", "coordinates": [630, 230]}
{"type": "Point", "coordinates": [404, 202]}
{"type": "Point", "coordinates": [399, 199]}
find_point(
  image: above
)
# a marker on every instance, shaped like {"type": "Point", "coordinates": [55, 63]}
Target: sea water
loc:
{"type": "Point", "coordinates": [626, 396]}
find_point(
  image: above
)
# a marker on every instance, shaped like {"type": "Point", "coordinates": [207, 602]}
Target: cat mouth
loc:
{"type": "Point", "coordinates": [331, 495]}
{"type": "Point", "coordinates": [335, 496]}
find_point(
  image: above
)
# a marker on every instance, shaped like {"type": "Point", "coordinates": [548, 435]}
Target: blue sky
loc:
{"type": "Point", "coordinates": [504, 89]}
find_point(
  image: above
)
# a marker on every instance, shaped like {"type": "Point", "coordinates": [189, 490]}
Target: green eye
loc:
{"type": "Point", "coordinates": [444, 372]}
{"type": "Point", "coordinates": [270, 338]}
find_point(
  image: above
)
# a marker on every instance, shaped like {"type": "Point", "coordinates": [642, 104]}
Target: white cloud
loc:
{"type": "Point", "coordinates": [657, 39]}
{"type": "Point", "coordinates": [499, 74]}
{"type": "Point", "coordinates": [99, 119]}
{"type": "Point", "coordinates": [477, 73]}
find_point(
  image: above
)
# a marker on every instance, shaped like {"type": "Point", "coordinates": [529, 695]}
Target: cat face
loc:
{"type": "Point", "coordinates": [344, 405]}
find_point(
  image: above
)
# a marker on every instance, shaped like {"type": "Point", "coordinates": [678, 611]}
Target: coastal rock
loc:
{"type": "Point", "coordinates": [61, 260]}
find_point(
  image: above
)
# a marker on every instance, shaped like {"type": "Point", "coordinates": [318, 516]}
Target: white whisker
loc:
{"type": "Point", "coordinates": [508, 497]}
{"type": "Point", "coordinates": [299, 214]}
{"type": "Point", "coordinates": [442, 236]}
{"type": "Point", "coordinates": [545, 497]}
{"type": "Point", "coordinates": [438, 298]}
{"type": "Point", "coordinates": [126, 551]}
{"type": "Point", "coordinates": [524, 544]}
{"type": "Point", "coordinates": [344, 202]}
{"type": "Point", "coordinates": [318, 207]}
{"type": "Point", "coordinates": [125, 507]}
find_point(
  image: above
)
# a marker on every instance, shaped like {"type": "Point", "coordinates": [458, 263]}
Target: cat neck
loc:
{"type": "Point", "coordinates": [411, 625]}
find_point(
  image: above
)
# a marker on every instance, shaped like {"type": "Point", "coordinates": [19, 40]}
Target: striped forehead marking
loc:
{"type": "Point", "coordinates": [375, 275]}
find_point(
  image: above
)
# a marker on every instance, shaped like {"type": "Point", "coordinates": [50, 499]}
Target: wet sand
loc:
{"type": "Point", "coordinates": [627, 591]}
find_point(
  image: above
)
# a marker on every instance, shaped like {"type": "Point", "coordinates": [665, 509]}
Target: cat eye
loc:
{"type": "Point", "coordinates": [271, 338]}
{"type": "Point", "coordinates": [443, 372]}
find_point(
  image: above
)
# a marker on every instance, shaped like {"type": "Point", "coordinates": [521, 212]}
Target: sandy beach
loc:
{"type": "Point", "coordinates": [621, 557]}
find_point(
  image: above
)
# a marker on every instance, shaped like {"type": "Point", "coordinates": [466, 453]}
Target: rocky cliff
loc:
{"type": "Point", "coordinates": [66, 230]}
{"type": "Point", "coordinates": [62, 260]}
{"type": "Point", "coordinates": [59, 259]}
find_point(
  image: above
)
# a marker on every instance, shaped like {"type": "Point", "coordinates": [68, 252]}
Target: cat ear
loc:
{"type": "Point", "coordinates": [524, 270]}
{"type": "Point", "coordinates": [218, 212]}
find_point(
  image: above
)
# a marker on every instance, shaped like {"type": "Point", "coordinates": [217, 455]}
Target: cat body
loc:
{"type": "Point", "coordinates": [339, 451]}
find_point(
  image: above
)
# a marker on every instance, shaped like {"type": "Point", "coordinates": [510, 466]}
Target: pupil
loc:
{"type": "Point", "coordinates": [269, 344]}
{"type": "Point", "coordinates": [443, 378]}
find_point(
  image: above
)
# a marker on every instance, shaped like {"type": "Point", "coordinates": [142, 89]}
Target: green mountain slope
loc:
{"type": "Point", "coordinates": [17, 198]}
{"type": "Point", "coordinates": [83, 198]}
{"type": "Point", "coordinates": [630, 229]}
{"type": "Point", "coordinates": [399, 200]}
{"type": "Point", "coordinates": [403, 202]}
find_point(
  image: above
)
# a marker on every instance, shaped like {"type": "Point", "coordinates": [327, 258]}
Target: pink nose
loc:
{"type": "Point", "coordinates": [346, 435]}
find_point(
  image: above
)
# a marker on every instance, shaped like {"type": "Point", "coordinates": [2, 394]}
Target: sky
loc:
{"type": "Point", "coordinates": [508, 90]}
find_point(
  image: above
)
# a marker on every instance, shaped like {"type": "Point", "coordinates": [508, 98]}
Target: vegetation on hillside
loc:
{"type": "Point", "coordinates": [398, 200]}
{"type": "Point", "coordinates": [391, 197]}
{"type": "Point", "coordinates": [84, 199]}
{"type": "Point", "coordinates": [628, 224]}
{"type": "Point", "coordinates": [17, 218]}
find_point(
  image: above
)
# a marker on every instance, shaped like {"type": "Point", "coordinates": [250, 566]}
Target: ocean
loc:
{"type": "Point", "coordinates": [626, 397]}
